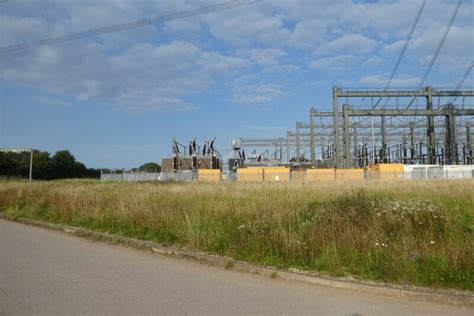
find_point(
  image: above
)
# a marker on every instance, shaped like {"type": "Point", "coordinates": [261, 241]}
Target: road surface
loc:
{"type": "Point", "coordinates": [50, 273]}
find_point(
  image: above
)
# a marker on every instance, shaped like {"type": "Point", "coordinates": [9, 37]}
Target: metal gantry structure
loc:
{"type": "Point", "coordinates": [361, 130]}
{"type": "Point", "coordinates": [448, 111]}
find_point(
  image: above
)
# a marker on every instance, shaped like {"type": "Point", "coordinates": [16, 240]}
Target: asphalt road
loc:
{"type": "Point", "coordinates": [50, 273]}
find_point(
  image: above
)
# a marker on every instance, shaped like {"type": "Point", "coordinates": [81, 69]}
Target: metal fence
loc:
{"type": "Point", "coordinates": [410, 172]}
{"type": "Point", "coordinates": [130, 176]}
{"type": "Point", "coordinates": [426, 172]}
{"type": "Point", "coordinates": [153, 176]}
{"type": "Point", "coordinates": [179, 176]}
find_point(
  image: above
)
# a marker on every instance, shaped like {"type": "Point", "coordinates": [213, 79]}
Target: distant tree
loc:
{"type": "Point", "coordinates": [93, 173]}
{"type": "Point", "coordinates": [8, 164]}
{"type": "Point", "coordinates": [63, 164]}
{"type": "Point", "coordinates": [80, 170]}
{"type": "Point", "coordinates": [42, 165]}
{"type": "Point", "coordinates": [150, 167]}
{"type": "Point", "coordinates": [23, 160]}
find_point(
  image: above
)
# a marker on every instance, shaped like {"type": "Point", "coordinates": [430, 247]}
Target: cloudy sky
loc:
{"type": "Point", "coordinates": [117, 100]}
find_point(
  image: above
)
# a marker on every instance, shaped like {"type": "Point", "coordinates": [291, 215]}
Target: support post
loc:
{"type": "Point", "coordinates": [335, 127]}
{"type": "Point", "coordinates": [354, 135]}
{"type": "Point", "coordinates": [312, 146]}
{"type": "Point", "coordinates": [412, 142]}
{"type": "Point", "coordinates": [347, 149]}
{"type": "Point", "coordinates": [323, 150]}
{"type": "Point", "coordinates": [297, 143]}
{"type": "Point", "coordinates": [31, 165]}
{"type": "Point", "coordinates": [373, 141]}
{"type": "Point", "coordinates": [469, 145]}
{"type": "Point", "coordinates": [404, 149]}
{"type": "Point", "coordinates": [281, 150]}
{"type": "Point", "coordinates": [430, 145]}
{"type": "Point", "coordinates": [365, 155]}
{"type": "Point", "coordinates": [383, 150]}
{"type": "Point", "coordinates": [287, 146]}
{"type": "Point", "coordinates": [451, 148]}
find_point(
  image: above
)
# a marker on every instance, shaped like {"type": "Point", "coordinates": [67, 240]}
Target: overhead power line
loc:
{"type": "Point", "coordinates": [126, 26]}
{"type": "Point", "coordinates": [406, 44]}
{"type": "Point", "coordinates": [438, 49]}
{"type": "Point", "coordinates": [461, 81]}
{"type": "Point", "coordinates": [402, 53]}
{"type": "Point", "coordinates": [459, 85]}
{"type": "Point", "coordinates": [440, 45]}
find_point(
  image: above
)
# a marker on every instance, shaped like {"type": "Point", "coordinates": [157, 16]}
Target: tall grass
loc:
{"type": "Point", "coordinates": [418, 233]}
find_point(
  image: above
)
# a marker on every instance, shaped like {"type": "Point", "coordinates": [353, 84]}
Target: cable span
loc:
{"type": "Point", "coordinates": [126, 26]}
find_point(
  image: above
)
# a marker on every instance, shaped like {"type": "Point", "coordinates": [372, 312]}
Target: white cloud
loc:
{"type": "Point", "coordinates": [163, 63]}
{"type": "Point", "coordinates": [308, 33]}
{"type": "Point", "coordinates": [336, 62]}
{"type": "Point", "coordinates": [218, 63]}
{"type": "Point", "coordinates": [373, 61]}
{"type": "Point", "coordinates": [248, 25]}
{"type": "Point", "coordinates": [51, 102]}
{"type": "Point", "coordinates": [421, 49]}
{"type": "Point", "coordinates": [402, 81]}
{"type": "Point", "coordinates": [267, 57]}
{"type": "Point", "coordinates": [258, 93]}
{"type": "Point", "coordinates": [144, 76]}
{"type": "Point", "coordinates": [139, 103]}
{"type": "Point", "coordinates": [350, 42]}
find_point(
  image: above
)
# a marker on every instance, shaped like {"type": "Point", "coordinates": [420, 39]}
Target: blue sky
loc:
{"type": "Point", "coordinates": [117, 100]}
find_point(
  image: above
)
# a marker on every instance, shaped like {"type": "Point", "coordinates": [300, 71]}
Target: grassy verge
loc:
{"type": "Point", "coordinates": [418, 233]}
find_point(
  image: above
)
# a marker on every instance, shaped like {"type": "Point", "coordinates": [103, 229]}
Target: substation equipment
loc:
{"type": "Point", "coordinates": [368, 129]}
{"type": "Point", "coordinates": [191, 157]}
{"type": "Point", "coordinates": [371, 134]}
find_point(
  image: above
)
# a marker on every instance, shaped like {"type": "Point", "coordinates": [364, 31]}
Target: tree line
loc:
{"type": "Point", "coordinates": [146, 167]}
{"type": "Point", "coordinates": [61, 165]}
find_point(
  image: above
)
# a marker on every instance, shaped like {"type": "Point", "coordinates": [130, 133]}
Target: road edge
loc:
{"type": "Point", "coordinates": [451, 297]}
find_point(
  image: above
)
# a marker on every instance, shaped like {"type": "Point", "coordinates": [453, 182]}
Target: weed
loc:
{"type": "Point", "coordinates": [229, 265]}
{"type": "Point", "coordinates": [412, 232]}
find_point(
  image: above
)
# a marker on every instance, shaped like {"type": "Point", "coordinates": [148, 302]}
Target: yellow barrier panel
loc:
{"type": "Point", "coordinates": [353, 174]}
{"type": "Point", "coordinates": [209, 175]}
{"type": "Point", "coordinates": [298, 175]}
{"type": "Point", "coordinates": [386, 171]}
{"type": "Point", "coordinates": [387, 167]}
{"type": "Point", "coordinates": [313, 175]}
{"type": "Point", "coordinates": [276, 174]}
{"type": "Point", "coordinates": [249, 175]}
